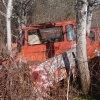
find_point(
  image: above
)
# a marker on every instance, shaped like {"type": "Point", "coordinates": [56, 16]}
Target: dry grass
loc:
{"type": "Point", "coordinates": [15, 84]}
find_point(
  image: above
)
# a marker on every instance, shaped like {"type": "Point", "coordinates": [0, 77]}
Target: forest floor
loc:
{"type": "Point", "coordinates": [15, 84]}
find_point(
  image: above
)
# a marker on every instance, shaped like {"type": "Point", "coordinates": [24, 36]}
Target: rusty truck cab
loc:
{"type": "Point", "coordinates": [47, 40]}
{"type": "Point", "coordinates": [50, 39]}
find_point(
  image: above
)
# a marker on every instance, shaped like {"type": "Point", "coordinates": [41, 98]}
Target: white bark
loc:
{"type": "Point", "coordinates": [8, 21]}
{"type": "Point", "coordinates": [22, 23]}
{"type": "Point", "coordinates": [20, 27]}
{"type": "Point", "coordinates": [89, 19]}
{"type": "Point", "coordinates": [81, 45]}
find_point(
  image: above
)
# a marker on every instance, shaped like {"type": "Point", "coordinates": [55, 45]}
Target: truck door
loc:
{"type": "Point", "coordinates": [69, 35]}
{"type": "Point", "coordinates": [61, 39]}
{"type": "Point", "coordinates": [69, 41]}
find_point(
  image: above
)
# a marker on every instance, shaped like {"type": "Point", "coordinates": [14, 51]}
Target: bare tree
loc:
{"type": "Point", "coordinates": [91, 4]}
{"type": "Point", "coordinates": [7, 15]}
{"type": "Point", "coordinates": [21, 13]}
{"type": "Point", "coordinates": [8, 20]}
{"type": "Point", "coordinates": [84, 18]}
{"type": "Point", "coordinates": [89, 16]}
{"type": "Point", "coordinates": [81, 45]}
{"type": "Point", "coordinates": [21, 10]}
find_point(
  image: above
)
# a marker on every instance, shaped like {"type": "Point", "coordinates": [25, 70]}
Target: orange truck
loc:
{"type": "Point", "coordinates": [49, 46]}
{"type": "Point", "coordinates": [52, 49]}
{"type": "Point", "coordinates": [50, 40]}
{"type": "Point", "coordinates": [47, 40]}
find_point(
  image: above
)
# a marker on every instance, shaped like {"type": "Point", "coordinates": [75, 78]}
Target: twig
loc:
{"type": "Point", "coordinates": [2, 13]}
{"type": "Point", "coordinates": [4, 3]}
{"type": "Point", "coordinates": [68, 85]}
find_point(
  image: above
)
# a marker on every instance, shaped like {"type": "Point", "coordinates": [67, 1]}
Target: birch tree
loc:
{"type": "Point", "coordinates": [8, 21]}
{"type": "Point", "coordinates": [7, 15]}
{"type": "Point", "coordinates": [89, 16]}
{"type": "Point", "coordinates": [81, 45]}
{"type": "Point", "coordinates": [84, 18]}
{"type": "Point", "coordinates": [21, 12]}
{"type": "Point", "coordinates": [90, 7]}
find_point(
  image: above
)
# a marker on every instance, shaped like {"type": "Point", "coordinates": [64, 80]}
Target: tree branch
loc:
{"type": "Point", "coordinates": [2, 13]}
{"type": "Point", "coordinates": [94, 3]}
{"type": "Point", "coordinates": [4, 3]}
{"type": "Point", "coordinates": [30, 6]}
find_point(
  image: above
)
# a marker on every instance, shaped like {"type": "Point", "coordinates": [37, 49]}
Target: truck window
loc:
{"type": "Point", "coordinates": [92, 35]}
{"type": "Point", "coordinates": [99, 36]}
{"type": "Point", "coordinates": [53, 34]}
{"type": "Point", "coordinates": [34, 37]}
{"type": "Point", "coordinates": [70, 33]}
{"type": "Point", "coordinates": [46, 35]}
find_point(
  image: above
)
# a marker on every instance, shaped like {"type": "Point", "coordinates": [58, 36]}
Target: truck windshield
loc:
{"type": "Point", "coordinates": [53, 34]}
{"type": "Point", "coordinates": [70, 33]}
{"type": "Point", "coordinates": [46, 35]}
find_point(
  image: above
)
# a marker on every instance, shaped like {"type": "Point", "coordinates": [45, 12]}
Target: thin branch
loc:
{"type": "Point", "coordinates": [2, 13]}
{"type": "Point", "coordinates": [95, 3]}
{"type": "Point", "coordinates": [14, 36]}
{"type": "Point", "coordinates": [4, 3]}
{"type": "Point", "coordinates": [30, 6]}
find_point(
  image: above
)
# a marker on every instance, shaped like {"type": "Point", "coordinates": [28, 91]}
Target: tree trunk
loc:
{"type": "Point", "coordinates": [8, 21]}
{"type": "Point", "coordinates": [81, 45]}
{"type": "Point", "coordinates": [20, 27]}
{"type": "Point", "coordinates": [89, 18]}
